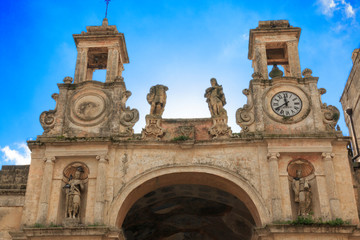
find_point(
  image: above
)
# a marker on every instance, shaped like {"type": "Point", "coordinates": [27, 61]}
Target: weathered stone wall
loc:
{"type": "Point", "coordinates": [13, 181]}
{"type": "Point", "coordinates": [245, 159]}
{"type": "Point", "coordinates": [351, 95]}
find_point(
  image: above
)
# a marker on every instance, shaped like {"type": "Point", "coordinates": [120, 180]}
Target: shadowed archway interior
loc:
{"type": "Point", "coordinates": [188, 211]}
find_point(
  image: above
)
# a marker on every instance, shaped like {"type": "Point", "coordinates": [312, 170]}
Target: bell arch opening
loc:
{"type": "Point", "coordinates": [189, 205]}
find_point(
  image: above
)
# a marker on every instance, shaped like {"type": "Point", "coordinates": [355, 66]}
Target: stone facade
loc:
{"type": "Point", "coordinates": [349, 101]}
{"type": "Point", "coordinates": [91, 177]}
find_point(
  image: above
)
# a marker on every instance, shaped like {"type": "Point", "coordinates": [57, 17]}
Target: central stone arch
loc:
{"type": "Point", "coordinates": [188, 175]}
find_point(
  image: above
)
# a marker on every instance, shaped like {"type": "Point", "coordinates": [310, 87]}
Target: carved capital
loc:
{"type": "Point", "coordinates": [49, 160]}
{"type": "Point", "coordinates": [102, 158]}
{"type": "Point", "coordinates": [273, 156]}
{"type": "Point", "coordinates": [327, 156]}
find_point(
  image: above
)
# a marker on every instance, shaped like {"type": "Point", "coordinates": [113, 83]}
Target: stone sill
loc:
{"type": "Point", "coordinates": [28, 232]}
{"type": "Point", "coordinates": [312, 229]}
{"type": "Point", "coordinates": [236, 137]}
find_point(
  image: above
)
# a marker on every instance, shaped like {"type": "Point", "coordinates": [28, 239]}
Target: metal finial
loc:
{"type": "Point", "coordinates": [107, 4]}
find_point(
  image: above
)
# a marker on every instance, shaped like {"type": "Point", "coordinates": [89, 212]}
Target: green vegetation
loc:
{"type": "Point", "coordinates": [38, 225]}
{"type": "Point", "coordinates": [309, 220]}
{"type": "Point", "coordinates": [54, 225]}
{"type": "Point", "coordinates": [180, 138]}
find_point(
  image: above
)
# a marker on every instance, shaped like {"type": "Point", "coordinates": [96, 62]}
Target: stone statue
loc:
{"type": "Point", "coordinates": [73, 190]}
{"type": "Point", "coordinates": [216, 99]}
{"type": "Point", "coordinates": [157, 99]}
{"type": "Point", "coordinates": [303, 194]}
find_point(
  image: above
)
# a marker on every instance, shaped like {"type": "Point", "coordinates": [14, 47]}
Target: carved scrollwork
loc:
{"type": "Point", "coordinates": [245, 116]}
{"type": "Point", "coordinates": [128, 118]}
{"type": "Point", "coordinates": [47, 118]}
{"type": "Point", "coordinates": [220, 129]}
{"type": "Point", "coordinates": [152, 130]}
{"type": "Point", "coordinates": [330, 116]}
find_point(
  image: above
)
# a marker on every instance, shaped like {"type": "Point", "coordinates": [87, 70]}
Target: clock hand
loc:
{"type": "Point", "coordinates": [286, 102]}
{"type": "Point", "coordinates": [280, 106]}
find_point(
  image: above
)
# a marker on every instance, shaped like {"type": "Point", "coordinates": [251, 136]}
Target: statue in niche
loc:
{"type": "Point", "coordinates": [216, 99]}
{"type": "Point", "coordinates": [73, 190]}
{"type": "Point", "coordinates": [303, 194]}
{"type": "Point", "coordinates": [157, 99]}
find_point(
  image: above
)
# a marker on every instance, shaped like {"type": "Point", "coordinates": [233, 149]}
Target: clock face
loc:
{"type": "Point", "coordinates": [286, 104]}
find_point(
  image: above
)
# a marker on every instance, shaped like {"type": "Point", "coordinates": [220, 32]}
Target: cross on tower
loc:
{"type": "Point", "coordinates": [107, 4]}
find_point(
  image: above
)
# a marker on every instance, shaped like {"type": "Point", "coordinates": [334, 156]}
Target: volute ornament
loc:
{"type": "Point", "coordinates": [330, 116]}
{"type": "Point", "coordinates": [128, 117]}
{"type": "Point", "coordinates": [245, 115]}
{"type": "Point", "coordinates": [48, 118]}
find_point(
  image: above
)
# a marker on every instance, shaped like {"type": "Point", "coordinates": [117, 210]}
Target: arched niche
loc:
{"type": "Point", "coordinates": [69, 173]}
{"type": "Point", "coordinates": [308, 173]}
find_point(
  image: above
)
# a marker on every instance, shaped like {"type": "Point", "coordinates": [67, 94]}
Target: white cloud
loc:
{"type": "Point", "coordinates": [349, 11]}
{"type": "Point", "coordinates": [328, 7]}
{"type": "Point", "coordinates": [19, 156]}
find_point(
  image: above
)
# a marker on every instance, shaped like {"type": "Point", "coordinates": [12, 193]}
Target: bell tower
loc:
{"type": "Point", "coordinates": [280, 102]}
{"type": "Point", "coordinates": [275, 43]}
{"type": "Point", "coordinates": [89, 108]}
{"type": "Point", "coordinates": [101, 47]}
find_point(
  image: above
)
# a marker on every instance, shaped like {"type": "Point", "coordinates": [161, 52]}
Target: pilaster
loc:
{"type": "Point", "coordinates": [45, 189]}
{"type": "Point", "coordinates": [294, 60]}
{"type": "Point", "coordinates": [273, 158]}
{"type": "Point", "coordinates": [260, 61]}
{"type": "Point", "coordinates": [100, 189]}
{"type": "Point", "coordinates": [331, 184]}
{"type": "Point", "coordinates": [113, 64]}
{"type": "Point", "coordinates": [81, 65]}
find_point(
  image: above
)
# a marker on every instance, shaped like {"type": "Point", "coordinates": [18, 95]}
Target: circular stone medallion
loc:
{"type": "Point", "coordinates": [88, 108]}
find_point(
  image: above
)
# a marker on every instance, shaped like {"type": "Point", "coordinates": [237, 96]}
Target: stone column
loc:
{"type": "Point", "coordinates": [112, 64]}
{"type": "Point", "coordinates": [331, 184]}
{"type": "Point", "coordinates": [45, 189]}
{"type": "Point", "coordinates": [276, 205]}
{"type": "Point", "coordinates": [100, 189]}
{"type": "Point", "coordinates": [81, 65]}
{"type": "Point", "coordinates": [293, 56]}
{"type": "Point", "coordinates": [260, 61]}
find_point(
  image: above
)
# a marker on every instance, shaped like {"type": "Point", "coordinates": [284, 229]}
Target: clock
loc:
{"type": "Point", "coordinates": [286, 104]}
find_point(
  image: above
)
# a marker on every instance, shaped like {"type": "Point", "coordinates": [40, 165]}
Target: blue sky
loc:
{"type": "Point", "coordinates": [178, 43]}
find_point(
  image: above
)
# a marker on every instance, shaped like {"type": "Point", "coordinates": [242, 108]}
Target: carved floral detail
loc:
{"type": "Point", "coordinates": [68, 80]}
{"type": "Point", "coordinates": [47, 118]}
{"type": "Point", "coordinates": [307, 72]}
{"type": "Point", "coordinates": [220, 129]}
{"type": "Point", "coordinates": [152, 130]}
{"type": "Point", "coordinates": [245, 115]}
